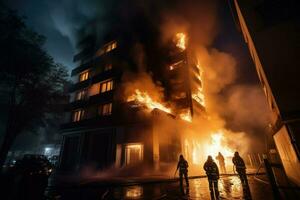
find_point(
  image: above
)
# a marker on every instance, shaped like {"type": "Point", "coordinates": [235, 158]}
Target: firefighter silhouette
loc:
{"type": "Point", "coordinates": [221, 161]}
{"type": "Point", "coordinates": [212, 173]}
{"type": "Point", "coordinates": [240, 168]}
{"type": "Point", "coordinates": [182, 166]}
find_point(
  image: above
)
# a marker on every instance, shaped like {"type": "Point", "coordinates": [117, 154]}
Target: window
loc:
{"type": "Point", "coordinates": [83, 76]}
{"type": "Point", "coordinates": [106, 48]}
{"type": "Point", "coordinates": [80, 95]}
{"type": "Point", "coordinates": [105, 109]}
{"type": "Point", "coordinates": [107, 67]}
{"type": "Point", "coordinates": [106, 86]}
{"type": "Point", "coordinates": [133, 153]}
{"type": "Point", "coordinates": [78, 115]}
{"type": "Point", "coordinates": [111, 46]}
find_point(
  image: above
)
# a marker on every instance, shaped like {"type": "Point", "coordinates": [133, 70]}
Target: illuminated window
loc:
{"type": "Point", "coordinates": [107, 48]}
{"type": "Point", "coordinates": [133, 153]}
{"type": "Point", "coordinates": [114, 45]}
{"type": "Point", "coordinates": [105, 109]}
{"type": "Point", "coordinates": [107, 67]}
{"type": "Point", "coordinates": [83, 76]}
{"type": "Point", "coordinates": [78, 115]}
{"type": "Point", "coordinates": [111, 46]}
{"type": "Point", "coordinates": [106, 86]}
{"type": "Point", "coordinates": [80, 95]}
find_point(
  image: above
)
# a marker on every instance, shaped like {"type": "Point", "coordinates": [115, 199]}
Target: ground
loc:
{"type": "Point", "coordinates": [229, 186]}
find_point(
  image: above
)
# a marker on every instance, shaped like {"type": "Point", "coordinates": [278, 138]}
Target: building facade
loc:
{"type": "Point", "coordinates": [271, 31]}
{"type": "Point", "coordinates": [105, 131]}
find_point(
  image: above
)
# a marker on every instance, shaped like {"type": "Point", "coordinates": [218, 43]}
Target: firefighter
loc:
{"type": "Point", "coordinates": [183, 171]}
{"type": "Point", "coordinates": [240, 168]}
{"type": "Point", "coordinates": [221, 161]}
{"type": "Point", "coordinates": [212, 173]}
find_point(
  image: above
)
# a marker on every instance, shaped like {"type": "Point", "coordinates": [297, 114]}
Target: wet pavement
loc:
{"type": "Point", "coordinates": [229, 187]}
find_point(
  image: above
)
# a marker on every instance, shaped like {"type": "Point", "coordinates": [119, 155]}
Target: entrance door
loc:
{"type": "Point", "coordinates": [133, 153]}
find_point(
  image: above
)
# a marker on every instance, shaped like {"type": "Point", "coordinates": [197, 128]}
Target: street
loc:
{"type": "Point", "coordinates": [229, 186]}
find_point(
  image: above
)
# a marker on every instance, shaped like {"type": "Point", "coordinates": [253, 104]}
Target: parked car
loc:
{"type": "Point", "coordinates": [29, 177]}
{"type": "Point", "coordinates": [32, 164]}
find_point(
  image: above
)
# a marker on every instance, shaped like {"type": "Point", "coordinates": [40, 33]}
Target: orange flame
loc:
{"type": "Point", "coordinates": [199, 150]}
{"type": "Point", "coordinates": [144, 99]}
{"type": "Point", "coordinates": [181, 41]}
{"type": "Point", "coordinates": [186, 116]}
{"type": "Point", "coordinates": [218, 145]}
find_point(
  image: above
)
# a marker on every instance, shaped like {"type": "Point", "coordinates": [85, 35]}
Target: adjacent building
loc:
{"type": "Point", "coordinates": [271, 30]}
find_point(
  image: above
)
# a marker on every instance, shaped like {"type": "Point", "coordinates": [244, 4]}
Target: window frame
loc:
{"type": "Point", "coordinates": [83, 95]}
{"type": "Point", "coordinates": [106, 83]}
{"type": "Point", "coordinates": [78, 115]}
{"type": "Point", "coordinates": [83, 76]}
{"type": "Point", "coordinates": [108, 108]}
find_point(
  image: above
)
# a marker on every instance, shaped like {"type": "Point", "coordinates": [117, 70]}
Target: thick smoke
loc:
{"type": "Point", "coordinates": [72, 16]}
{"type": "Point", "coordinates": [237, 110]}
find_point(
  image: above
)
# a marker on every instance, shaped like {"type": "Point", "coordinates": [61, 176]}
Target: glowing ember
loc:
{"type": "Point", "coordinates": [144, 99]}
{"type": "Point", "coordinates": [186, 116]}
{"type": "Point", "coordinates": [181, 41]}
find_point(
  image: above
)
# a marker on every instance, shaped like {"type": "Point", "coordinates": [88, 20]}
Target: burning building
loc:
{"type": "Point", "coordinates": [184, 78]}
{"type": "Point", "coordinates": [109, 127]}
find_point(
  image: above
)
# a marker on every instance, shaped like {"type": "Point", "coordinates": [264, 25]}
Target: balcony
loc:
{"type": "Point", "coordinates": [93, 62]}
{"type": "Point", "coordinates": [92, 100]}
{"type": "Point", "coordinates": [113, 73]}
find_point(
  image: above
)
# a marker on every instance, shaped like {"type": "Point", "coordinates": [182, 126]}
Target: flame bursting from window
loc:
{"type": "Point", "coordinates": [143, 98]}
{"type": "Point", "coordinates": [199, 150]}
{"type": "Point", "coordinates": [181, 41]}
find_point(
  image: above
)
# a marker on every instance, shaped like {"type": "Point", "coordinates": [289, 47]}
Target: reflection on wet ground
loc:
{"type": "Point", "coordinates": [230, 188]}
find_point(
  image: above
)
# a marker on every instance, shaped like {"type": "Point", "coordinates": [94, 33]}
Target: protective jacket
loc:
{"type": "Point", "coordinates": [239, 163]}
{"type": "Point", "coordinates": [182, 166]}
{"type": "Point", "coordinates": [211, 170]}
